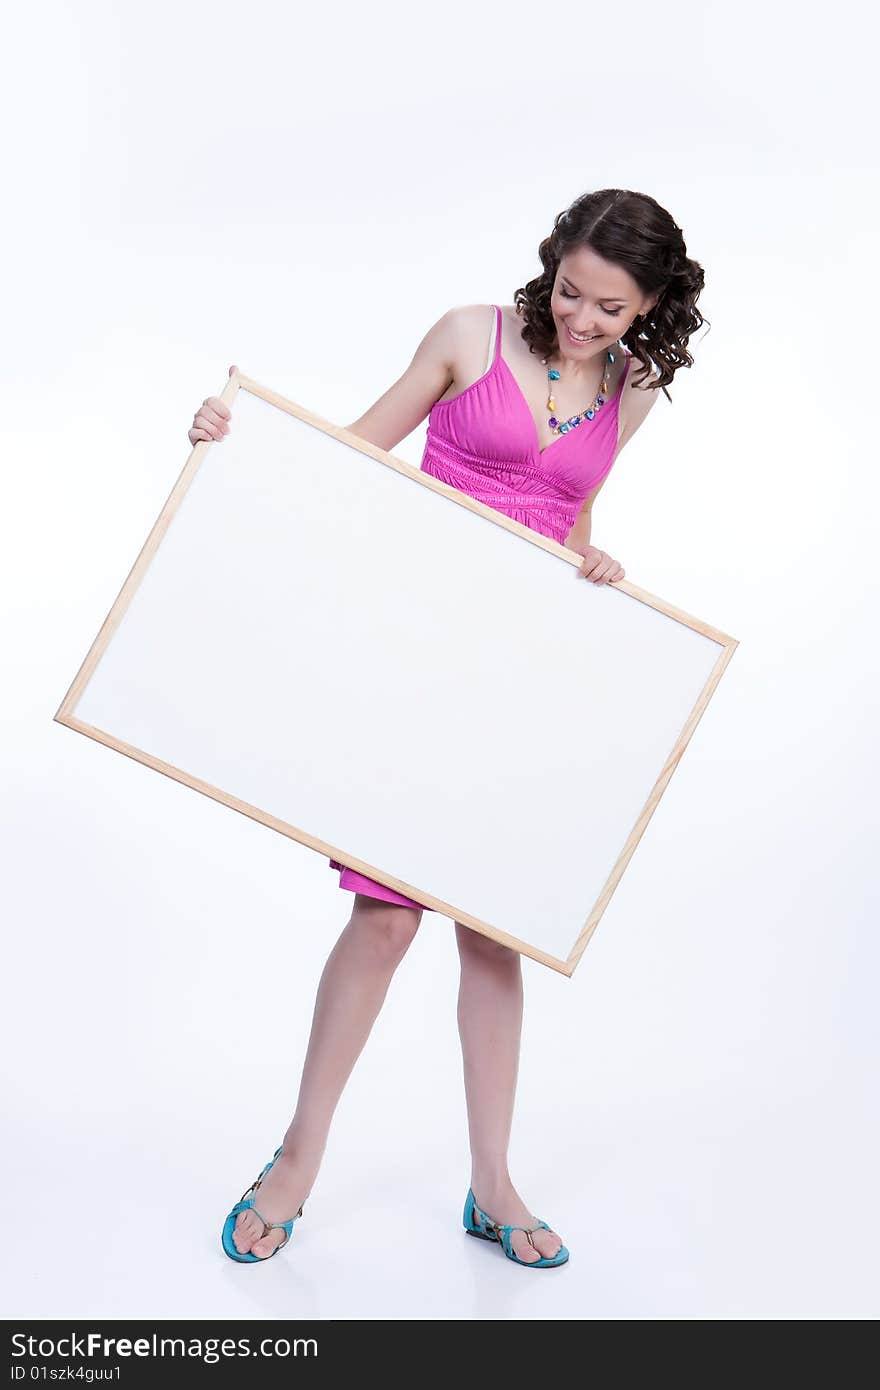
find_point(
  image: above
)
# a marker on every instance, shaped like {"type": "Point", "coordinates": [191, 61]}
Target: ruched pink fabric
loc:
{"type": "Point", "coordinates": [484, 442]}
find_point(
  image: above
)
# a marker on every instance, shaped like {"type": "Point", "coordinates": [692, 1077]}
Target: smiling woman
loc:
{"type": "Point", "coordinates": [636, 269]}
{"type": "Point", "coordinates": [528, 407]}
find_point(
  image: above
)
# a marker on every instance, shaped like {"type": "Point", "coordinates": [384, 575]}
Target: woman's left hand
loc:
{"type": "Point", "coordinates": [600, 567]}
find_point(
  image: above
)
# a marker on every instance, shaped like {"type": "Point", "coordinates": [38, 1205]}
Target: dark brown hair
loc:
{"type": "Point", "coordinates": [635, 232]}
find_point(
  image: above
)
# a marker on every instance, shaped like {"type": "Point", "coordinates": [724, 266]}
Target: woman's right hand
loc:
{"type": "Point", "coordinates": [211, 420]}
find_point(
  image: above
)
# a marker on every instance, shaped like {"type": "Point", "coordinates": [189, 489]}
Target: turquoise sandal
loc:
{"type": "Point", "coordinates": [247, 1203]}
{"type": "Point", "coordinates": [479, 1223]}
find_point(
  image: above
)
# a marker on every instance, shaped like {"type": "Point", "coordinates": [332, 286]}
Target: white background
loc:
{"type": "Point", "coordinates": [303, 194]}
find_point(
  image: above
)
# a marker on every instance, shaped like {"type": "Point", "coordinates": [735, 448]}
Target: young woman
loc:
{"type": "Point", "coordinates": [528, 408]}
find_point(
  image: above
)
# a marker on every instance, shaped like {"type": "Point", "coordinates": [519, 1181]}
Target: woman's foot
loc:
{"type": "Point", "coordinates": [279, 1197]}
{"type": "Point", "coordinates": [504, 1205]}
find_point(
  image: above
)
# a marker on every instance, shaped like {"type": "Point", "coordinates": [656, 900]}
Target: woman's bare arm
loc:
{"type": "Point", "coordinates": [406, 403]}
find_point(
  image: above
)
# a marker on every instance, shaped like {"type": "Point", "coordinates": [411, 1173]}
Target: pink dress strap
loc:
{"type": "Point", "coordinates": [496, 354]}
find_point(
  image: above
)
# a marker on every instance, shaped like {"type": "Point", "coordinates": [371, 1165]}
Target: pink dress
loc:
{"type": "Point", "coordinates": [484, 442]}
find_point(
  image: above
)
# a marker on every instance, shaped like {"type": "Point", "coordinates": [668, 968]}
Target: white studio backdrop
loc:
{"type": "Point", "coordinates": [303, 195]}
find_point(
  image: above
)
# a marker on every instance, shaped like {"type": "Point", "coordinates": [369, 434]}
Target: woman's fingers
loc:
{"type": "Point", "coordinates": [212, 417]}
{"type": "Point", "coordinates": [210, 428]}
{"type": "Point", "coordinates": [211, 420]}
{"type": "Point", "coordinates": [215, 412]}
{"type": "Point", "coordinates": [600, 567]}
{"type": "Point", "coordinates": [592, 562]}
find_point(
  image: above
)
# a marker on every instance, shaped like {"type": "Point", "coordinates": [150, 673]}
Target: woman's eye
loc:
{"type": "Point", "coordinates": [613, 312]}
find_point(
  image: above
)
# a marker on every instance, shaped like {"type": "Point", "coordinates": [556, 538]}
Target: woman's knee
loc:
{"type": "Point", "coordinates": [474, 945]}
{"type": "Point", "coordinates": [387, 929]}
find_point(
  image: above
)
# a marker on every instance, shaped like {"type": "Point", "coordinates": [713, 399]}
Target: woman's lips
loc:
{"type": "Point", "coordinates": [581, 342]}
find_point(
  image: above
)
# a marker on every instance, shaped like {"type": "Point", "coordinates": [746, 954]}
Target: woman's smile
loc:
{"type": "Point", "coordinates": [579, 339]}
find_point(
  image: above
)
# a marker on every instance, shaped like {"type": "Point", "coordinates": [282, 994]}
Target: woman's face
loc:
{"type": "Point", "coordinates": [595, 300]}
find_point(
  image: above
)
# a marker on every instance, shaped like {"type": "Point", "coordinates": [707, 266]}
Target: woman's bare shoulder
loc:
{"type": "Point", "coordinates": [470, 328]}
{"type": "Point", "coordinates": [644, 379]}
{"type": "Point", "coordinates": [471, 319]}
{"type": "Point", "coordinates": [638, 396]}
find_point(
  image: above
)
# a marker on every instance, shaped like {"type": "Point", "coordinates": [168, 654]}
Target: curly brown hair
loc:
{"type": "Point", "coordinates": [633, 231]}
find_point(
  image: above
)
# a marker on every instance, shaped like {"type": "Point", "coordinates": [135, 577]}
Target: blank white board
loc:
{"type": "Point", "coordinates": [329, 640]}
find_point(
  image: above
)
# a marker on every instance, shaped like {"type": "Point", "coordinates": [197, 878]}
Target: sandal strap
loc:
{"type": "Point", "coordinates": [247, 1204]}
{"type": "Point", "coordinates": [507, 1234]}
{"type": "Point", "coordinates": [504, 1234]}
{"type": "Point", "coordinates": [256, 1183]}
{"type": "Point", "coordinates": [485, 1219]}
{"type": "Point", "coordinates": [507, 1240]}
{"type": "Point", "coordinates": [501, 1231]}
{"type": "Point", "coordinates": [271, 1225]}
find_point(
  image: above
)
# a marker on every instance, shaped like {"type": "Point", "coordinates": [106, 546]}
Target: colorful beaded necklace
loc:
{"type": "Point", "coordinates": [562, 427]}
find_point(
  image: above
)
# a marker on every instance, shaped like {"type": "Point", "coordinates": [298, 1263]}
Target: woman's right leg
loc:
{"type": "Point", "coordinates": [351, 992]}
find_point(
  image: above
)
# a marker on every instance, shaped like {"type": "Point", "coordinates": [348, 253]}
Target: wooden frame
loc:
{"type": "Point", "coordinates": [68, 716]}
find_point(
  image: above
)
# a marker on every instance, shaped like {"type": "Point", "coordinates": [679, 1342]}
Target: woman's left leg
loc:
{"type": "Point", "coordinates": [490, 1007]}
